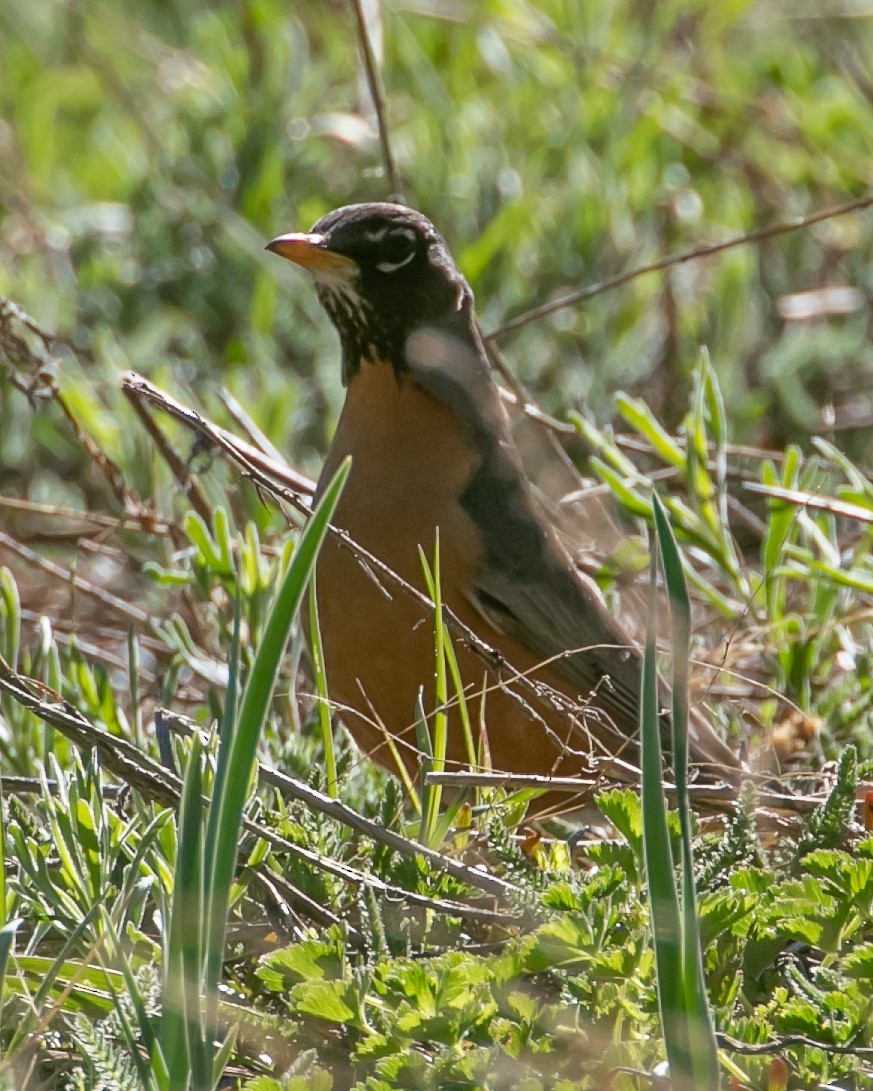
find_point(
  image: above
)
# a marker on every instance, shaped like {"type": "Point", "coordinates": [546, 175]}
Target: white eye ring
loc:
{"type": "Point", "coordinates": [392, 266]}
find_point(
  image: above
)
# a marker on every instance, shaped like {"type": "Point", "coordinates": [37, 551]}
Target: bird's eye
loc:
{"type": "Point", "coordinates": [397, 250]}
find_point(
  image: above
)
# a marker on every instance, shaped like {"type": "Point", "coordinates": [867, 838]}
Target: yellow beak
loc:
{"type": "Point", "coordinates": [311, 252]}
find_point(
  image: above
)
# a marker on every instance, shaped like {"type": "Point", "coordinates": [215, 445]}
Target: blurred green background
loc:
{"type": "Point", "coordinates": [149, 149]}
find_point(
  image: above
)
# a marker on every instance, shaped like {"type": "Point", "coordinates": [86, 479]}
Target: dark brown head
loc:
{"type": "Point", "coordinates": [382, 272]}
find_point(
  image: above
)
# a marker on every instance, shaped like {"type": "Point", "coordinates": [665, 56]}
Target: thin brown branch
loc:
{"type": "Point", "coordinates": [124, 760]}
{"type": "Point", "coordinates": [518, 397]}
{"type": "Point", "coordinates": [26, 786]}
{"type": "Point", "coordinates": [361, 879]}
{"type": "Point", "coordinates": [135, 387]}
{"type": "Point", "coordinates": [786, 1041]}
{"type": "Point", "coordinates": [38, 362]}
{"type": "Point", "coordinates": [75, 582]}
{"type": "Point", "coordinates": [189, 484]}
{"type": "Point", "coordinates": [723, 796]}
{"type": "Point", "coordinates": [243, 421]}
{"type": "Point", "coordinates": [11, 311]}
{"type": "Point", "coordinates": [377, 94]}
{"type": "Point", "coordinates": [840, 508]}
{"type": "Point", "coordinates": [141, 520]}
{"type": "Point", "coordinates": [280, 890]}
{"type": "Point", "coordinates": [704, 251]}
{"type": "Point", "coordinates": [113, 475]}
{"type": "Point", "coordinates": [336, 809]}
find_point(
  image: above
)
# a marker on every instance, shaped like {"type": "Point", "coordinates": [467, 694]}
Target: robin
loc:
{"type": "Point", "coordinates": [432, 452]}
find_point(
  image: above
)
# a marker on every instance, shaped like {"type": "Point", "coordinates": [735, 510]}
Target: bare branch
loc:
{"type": "Point", "coordinates": [786, 1041]}
{"type": "Point", "coordinates": [704, 251]}
{"type": "Point", "coordinates": [189, 484]}
{"type": "Point", "coordinates": [36, 359]}
{"type": "Point", "coordinates": [154, 782]}
{"type": "Point", "coordinates": [335, 808]}
{"type": "Point", "coordinates": [722, 796]}
{"type": "Point", "coordinates": [86, 587]}
{"type": "Point", "coordinates": [841, 508]}
{"type": "Point", "coordinates": [378, 96]}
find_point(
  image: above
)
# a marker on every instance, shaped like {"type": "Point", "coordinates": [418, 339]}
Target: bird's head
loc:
{"type": "Point", "coordinates": [383, 272]}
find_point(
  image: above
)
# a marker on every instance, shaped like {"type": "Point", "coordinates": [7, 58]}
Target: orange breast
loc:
{"type": "Point", "coordinates": [410, 465]}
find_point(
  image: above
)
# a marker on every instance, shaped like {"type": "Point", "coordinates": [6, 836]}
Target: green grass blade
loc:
{"type": "Point", "coordinates": [424, 743]}
{"type": "Point", "coordinates": [454, 674]}
{"type": "Point", "coordinates": [657, 853]}
{"type": "Point", "coordinates": [321, 690]}
{"type": "Point", "coordinates": [7, 939]}
{"type": "Point", "coordinates": [436, 758]}
{"type": "Point", "coordinates": [140, 1034]}
{"type": "Point", "coordinates": [643, 420]}
{"type": "Point", "coordinates": [696, 1034]}
{"type": "Point", "coordinates": [50, 970]}
{"type": "Point", "coordinates": [182, 1034]}
{"type": "Point", "coordinates": [680, 618]}
{"type": "Point", "coordinates": [222, 1057]}
{"type": "Point", "coordinates": [85, 988]}
{"type": "Point", "coordinates": [229, 718]}
{"type": "Point", "coordinates": [236, 755]}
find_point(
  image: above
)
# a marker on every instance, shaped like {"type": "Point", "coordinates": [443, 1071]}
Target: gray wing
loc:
{"type": "Point", "coordinates": [529, 587]}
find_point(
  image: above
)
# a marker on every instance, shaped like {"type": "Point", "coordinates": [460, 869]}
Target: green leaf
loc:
{"type": "Point", "coordinates": [312, 960]}
{"type": "Point", "coordinates": [328, 1000]}
{"type": "Point", "coordinates": [642, 419]}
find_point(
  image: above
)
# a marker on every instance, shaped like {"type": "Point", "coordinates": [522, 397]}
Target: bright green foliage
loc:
{"type": "Point", "coordinates": [577, 993]}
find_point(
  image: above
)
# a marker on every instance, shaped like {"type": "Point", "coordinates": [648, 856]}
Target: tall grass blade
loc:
{"type": "Point", "coordinates": [139, 1036]}
{"type": "Point", "coordinates": [431, 796]}
{"type": "Point", "coordinates": [236, 754]}
{"type": "Point", "coordinates": [701, 1031]}
{"type": "Point", "coordinates": [183, 1033]}
{"type": "Point", "coordinates": [319, 672]}
{"type": "Point", "coordinates": [689, 1035]}
{"type": "Point", "coordinates": [657, 853]}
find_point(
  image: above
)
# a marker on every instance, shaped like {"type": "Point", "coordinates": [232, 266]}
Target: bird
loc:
{"type": "Point", "coordinates": [433, 460]}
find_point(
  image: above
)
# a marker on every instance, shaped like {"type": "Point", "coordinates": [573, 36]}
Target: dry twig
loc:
{"type": "Point", "coordinates": [377, 95]}
{"type": "Point", "coordinates": [705, 250]}
{"type": "Point", "coordinates": [124, 760]}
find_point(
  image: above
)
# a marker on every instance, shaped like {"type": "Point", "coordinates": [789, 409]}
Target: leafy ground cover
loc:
{"type": "Point", "coordinates": [148, 153]}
